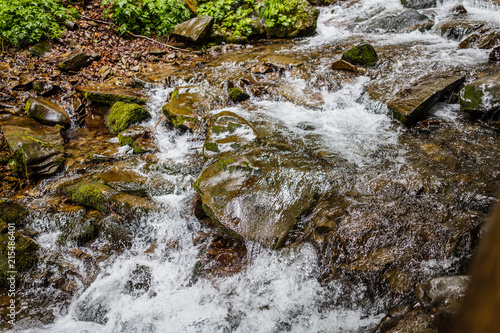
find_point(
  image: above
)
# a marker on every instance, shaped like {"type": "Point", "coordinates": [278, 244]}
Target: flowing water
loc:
{"type": "Point", "coordinates": [403, 190]}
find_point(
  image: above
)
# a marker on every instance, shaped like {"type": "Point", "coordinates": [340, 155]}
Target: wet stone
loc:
{"type": "Point", "coordinates": [109, 95]}
{"type": "Point", "coordinates": [482, 97]}
{"type": "Point", "coordinates": [418, 4]}
{"type": "Point", "coordinates": [38, 150]}
{"type": "Point", "coordinates": [362, 55]}
{"type": "Point", "coordinates": [74, 61]}
{"type": "Point", "coordinates": [47, 112]}
{"type": "Point", "coordinates": [185, 109]}
{"type": "Point", "coordinates": [196, 30]}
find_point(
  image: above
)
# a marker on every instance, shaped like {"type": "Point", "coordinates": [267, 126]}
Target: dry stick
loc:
{"type": "Point", "coordinates": [137, 36]}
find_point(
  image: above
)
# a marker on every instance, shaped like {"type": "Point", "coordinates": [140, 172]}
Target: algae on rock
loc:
{"type": "Point", "coordinates": [123, 115]}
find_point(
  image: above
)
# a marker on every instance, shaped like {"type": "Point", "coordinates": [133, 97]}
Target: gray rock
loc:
{"type": "Point", "coordinates": [418, 4]}
{"type": "Point", "coordinates": [47, 112]}
{"type": "Point", "coordinates": [405, 21]}
{"type": "Point", "coordinates": [41, 48]}
{"type": "Point", "coordinates": [196, 30]}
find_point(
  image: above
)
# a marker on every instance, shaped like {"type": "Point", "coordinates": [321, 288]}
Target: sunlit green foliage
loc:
{"type": "Point", "coordinates": [231, 16]}
{"type": "Point", "coordinates": [277, 12]}
{"type": "Point", "coordinates": [29, 21]}
{"type": "Point", "coordinates": [145, 16]}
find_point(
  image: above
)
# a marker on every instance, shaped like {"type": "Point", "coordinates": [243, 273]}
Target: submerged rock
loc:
{"type": "Point", "coordinates": [74, 61]}
{"type": "Point", "coordinates": [440, 289]}
{"type": "Point", "coordinates": [110, 95]}
{"type": "Point", "coordinates": [482, 97]}
{"type": "Point", "coordinates": [412, 103]}
{"type": "Point", "coordinates": [196, 30]}
{"type": "Point", "coordinates": [38, 150]}
{"type": "Point", "coordinates": [362, 55]}
{"type": "Point", "coordinates": [47, 112]}
{"type": "Point", "coordinates": [418, 4]}
{"type": "Point", "coordinates": [185, 109]}
{"type": "Point", "coordinates": [405, 21]}
{"type": "Point", "coordinates": [249, 197]}
{"type": "Point", "coordinates": [123, 115]}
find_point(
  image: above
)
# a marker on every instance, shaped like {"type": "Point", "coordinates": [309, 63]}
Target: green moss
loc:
{"type": "Point", "coordinates": [122, 115]}
{"type": "Point", "coordinates": [222, 165]}
{"type": "Point", "coordinates": [211, 146]}
{"type": "Point", "coordinates": [238, 95]}
{"type": "Point", "coordinates": [19, 163]}
{"type": "Point", "coordinates": [12, 212]}
{"type": "Point", "coordinates": [362, 55]}
{"type": "Point", "coordinates": [126, 140]}
{"type": "Point", "coordinates": [216, 129]}
{"type": "Point", "coordinates": [89, 194]}
{"type": "Point", "coordinates": [25, 254]}
{"type": "Point", "coordinates": [470, 99]}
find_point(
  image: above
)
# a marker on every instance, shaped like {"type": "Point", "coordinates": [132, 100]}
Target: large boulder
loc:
{"type": "Point", "coordinates": [482, 97]}
{"type": "Point", "coordinates": [418, 4]}
{"type": "Point", "coordinates": [196, 30]}
{"type": "Point", "coordinates": [303, 19]}
{"type": "Point", "coordinates": [412, 103]}
{"type": "Point", "coordinates": [47, 112]}
{"type": "Point", "coordinates": [185, 109]}
{"type": "Point", "coordinates": [250, 198]}
{"type": "Point", "coordinates": [74, 61]}
{"type": "Point", "coordinates": [38, 150]}
{"type": "Point", "coordinates": [106, 94]}
{"type": "Point", "coordinates": [123, 115]}
{"type": "Point", "coordinates": [405, 21]}
{"type": "Point", "coordinates": [361, 55]}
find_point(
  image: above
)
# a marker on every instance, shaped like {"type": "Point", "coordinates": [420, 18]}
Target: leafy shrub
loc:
{"type": "Point", "coordinates": [278, 12]}
{"type": "Point", "coordinates": [146, 16]}
{"type": "Point", "coordinates": [29, 21]}
{"type": "Point", "coordinates": [231, 16]}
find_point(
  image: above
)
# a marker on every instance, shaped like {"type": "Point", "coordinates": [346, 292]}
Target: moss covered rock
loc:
{"type": "Point", "coordinates": [25, 254]}
{"type": "Point", "coordinates": [482, 97]}
{"type": "Point", "coordinates": [106, 94]}
{"type": "Point", "coordinates": [302, 21]}
{"type": "Point", "coordinates": [47, 112]}
{"type": "Point", "coordinates": [123, 115]}
{"type": "Point", "coordinates": [90, 194]}
{"type": "Point", "coordinates": [133, 137]}
{"type": "Point", "coordinates": [185, 109]}
{"type": "Point", "coordinates": [12, 212]}
{"type": "Point", "coordinates": [361, 55]}
{"type": "Point", "coordinates": [238, 95]}
{"type": "Point", "coordinates": [38, 150]}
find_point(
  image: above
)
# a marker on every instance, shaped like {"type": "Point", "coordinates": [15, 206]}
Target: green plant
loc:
{"type": "Point", "coordinates": [278, 12]}
{"type": "Point", "coordinates": [232, 17]}
{"type": "Point", "coordinates": [29, 21]}
{"type": "Point", "coordinates": [146, 16]}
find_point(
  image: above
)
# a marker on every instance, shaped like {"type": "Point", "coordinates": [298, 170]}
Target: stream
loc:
{"type": "Point", "coordinates": [406, 203]}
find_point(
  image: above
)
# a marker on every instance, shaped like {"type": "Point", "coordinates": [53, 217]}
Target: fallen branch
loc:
{"type": "Point", "coordinates": [134, 35]}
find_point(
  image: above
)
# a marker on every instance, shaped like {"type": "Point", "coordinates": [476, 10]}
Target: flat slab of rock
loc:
{"type": "Point", "coordinates": [47, 112]}
{"type": "Point", "coordinates": [196, 30]}
{"type": "Point", "coordinates": [74, 61]}
{"type": "Point", "coordinates": [418, 4]}
{"type": "Point", "coordinates": [110, 95]}
{"type": "Point", "coordinates": [412, 103]}
{"type": "Point", "coordinates": [38, 150]}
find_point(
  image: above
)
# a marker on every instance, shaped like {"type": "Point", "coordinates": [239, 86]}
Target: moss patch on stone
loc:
{"type": "Point", "coordinates": [123, 115]}
{"type": "Point", "coordinates": [126, 140]}
{"type": "Point", "coordinates": [361, 55]}
{"type": "Point", "coordinates": [12, 212]}
{"type": "Point", "coordinates": [25, 254]}
{"type": "Point", "coordinates": [238, 95]}
{"type": "Point", "coordinates": [92, 194]}
{"type": "Point", "coordinates": [211, 146]}
{"type": "Point", "coordinates": [470, 99]}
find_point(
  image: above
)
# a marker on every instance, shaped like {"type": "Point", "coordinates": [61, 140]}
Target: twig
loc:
{"type": "Point", "coordinates": [158, 123]}
{"type": "Point", "coordinates": [134, 35]}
